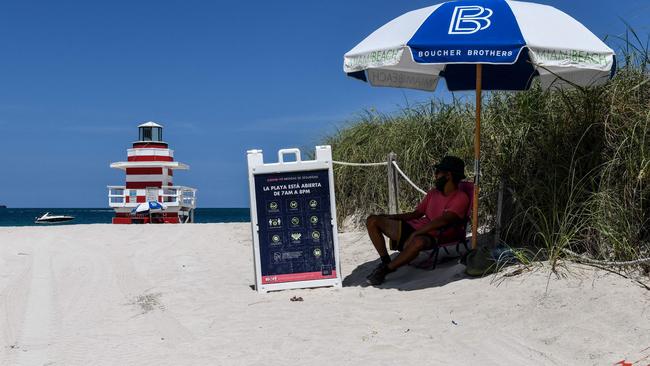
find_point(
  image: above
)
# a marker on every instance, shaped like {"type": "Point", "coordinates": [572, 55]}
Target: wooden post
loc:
{"type": "Point", "coordinates": [393, 187]}
{"type": "Point", "coordinates": [497, 236]}
{"type": "Point", "coordinates": [477, 155]}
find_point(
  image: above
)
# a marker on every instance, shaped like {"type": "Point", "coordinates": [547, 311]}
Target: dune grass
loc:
{"type": "Point", "coordinates": [577, 162]}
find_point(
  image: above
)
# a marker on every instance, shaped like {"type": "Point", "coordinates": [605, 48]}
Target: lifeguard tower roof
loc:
{"type": "Point", "coordinates": [150, 124]}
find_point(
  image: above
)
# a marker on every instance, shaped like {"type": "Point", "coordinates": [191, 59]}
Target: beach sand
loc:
{"type": "Point", "coordinates": [181, 295]}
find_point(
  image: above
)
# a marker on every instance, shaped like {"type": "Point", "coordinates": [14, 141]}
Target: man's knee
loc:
{"type": "Point", "coordinates": [372, 221]}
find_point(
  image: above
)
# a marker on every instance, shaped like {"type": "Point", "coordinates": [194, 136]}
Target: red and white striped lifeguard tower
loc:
{"type": "Point", "coordinates": [149, 174]}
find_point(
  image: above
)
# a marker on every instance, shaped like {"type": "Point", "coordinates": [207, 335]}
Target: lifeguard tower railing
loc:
{"type": "Point", "coordinates": [171, 196]}
{"type": "Point", "coordinates": [150, 152]}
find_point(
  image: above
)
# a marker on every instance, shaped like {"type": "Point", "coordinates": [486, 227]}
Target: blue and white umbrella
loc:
{"type": "Point", "coordinates": [515, 41]}
{"type": "Point", "coordinates": [150, 206]}
{"type": "Point", "coordinates": [482, 45]}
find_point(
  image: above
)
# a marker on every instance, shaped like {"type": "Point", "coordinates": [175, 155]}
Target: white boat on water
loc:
{"type": "Point", "coordinates": [49, 219]}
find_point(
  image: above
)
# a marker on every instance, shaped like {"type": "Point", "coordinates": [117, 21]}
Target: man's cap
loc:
{"type": "Point", "coordinates": [452, 164]}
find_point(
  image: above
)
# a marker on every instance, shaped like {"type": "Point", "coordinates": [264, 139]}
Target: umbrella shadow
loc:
{"type": "Point", "coordinates": [410, 278]}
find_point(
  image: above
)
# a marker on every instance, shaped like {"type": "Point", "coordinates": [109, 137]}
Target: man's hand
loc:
{"type": "Point", "coordinates": [446, 219]}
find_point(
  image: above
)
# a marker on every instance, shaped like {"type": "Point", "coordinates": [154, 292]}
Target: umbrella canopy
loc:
{"type": "Point", "coordinates": [149, 206]}
{"type": "Point", "coordinates": [481, 45]}
{"type": "Point", "coordinates": [517, 42]}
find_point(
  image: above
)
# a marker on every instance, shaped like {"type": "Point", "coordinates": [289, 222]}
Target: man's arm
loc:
{"type": "Point", "coordinates": [447, 218]}
{"type": "Point", "coordinates": [405, 216]}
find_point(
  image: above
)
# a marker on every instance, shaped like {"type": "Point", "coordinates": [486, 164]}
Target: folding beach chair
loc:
{"type": "Point", "coordinates": [432, 260]}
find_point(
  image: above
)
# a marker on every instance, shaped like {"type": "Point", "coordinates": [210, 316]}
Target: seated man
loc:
{"type": "Point", "coordinates": [419, 230]}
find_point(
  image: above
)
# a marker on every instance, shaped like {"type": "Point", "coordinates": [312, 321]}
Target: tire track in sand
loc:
{"type": "Point", "coordinates": [37, 331]}
{"type": "Point", "coordinates": [83, 300]}
{"type": "Point", "coordinates": [13, 301]}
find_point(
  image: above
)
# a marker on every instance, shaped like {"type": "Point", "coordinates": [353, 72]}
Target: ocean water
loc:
{"type": "Point", "coordinates": [26, 216]}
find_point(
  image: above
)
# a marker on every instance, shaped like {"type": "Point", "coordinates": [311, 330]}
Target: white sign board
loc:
{"type": "Point", "coordinates": [293, 221]}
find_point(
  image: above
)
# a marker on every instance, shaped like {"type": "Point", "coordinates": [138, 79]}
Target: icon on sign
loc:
{"type": "Point", "coordinates": [275, 238]}
{"type": "Point", "coordinates": [273, 206]}
{"type": "Point", "coordinates": [296, 236]}
{"type": "Point", "coordinates": [317, 253]}
{"type": "Point", "coordinates": [275, 222]}
{"type": "Point", "coordinates": [295, 221]}
{"type": "Point", "coordinates": [277, 257]}
{"type": "Point", "coordinates": [293, 204]}
{"type": "Point", "coordinates": [326, 270]}
{"type": "Point", "coordinates": [315, 235]}
{"type": "Point", "coordinates": [313, 220]}
{"type": "Point", "coordinates": [313, 203]}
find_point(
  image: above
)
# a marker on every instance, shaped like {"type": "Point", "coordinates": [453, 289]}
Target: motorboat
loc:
{"type": "Point", "coordinates": [49, 218]}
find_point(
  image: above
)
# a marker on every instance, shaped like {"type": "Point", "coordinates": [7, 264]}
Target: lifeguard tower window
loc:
{"type": "Point", "coordinates": [150, 134]}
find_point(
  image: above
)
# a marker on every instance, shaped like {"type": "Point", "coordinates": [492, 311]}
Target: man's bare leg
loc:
{"type": "Point", "coordinates": [411, 251]}
{"type": "Point", "coordinates": [378, 226]}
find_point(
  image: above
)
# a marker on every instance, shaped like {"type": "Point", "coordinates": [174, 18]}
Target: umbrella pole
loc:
{"type": "Point", "coordinates": [477, 155]}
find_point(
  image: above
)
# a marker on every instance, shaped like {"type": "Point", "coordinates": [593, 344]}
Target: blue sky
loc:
{"type": "Point", "coordinates": [77, 77]}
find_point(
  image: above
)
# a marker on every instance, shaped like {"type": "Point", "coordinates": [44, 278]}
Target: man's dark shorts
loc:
{"type": "Point", "coordinates": [404, 231]}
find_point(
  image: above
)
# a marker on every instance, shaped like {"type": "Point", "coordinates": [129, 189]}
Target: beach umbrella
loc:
{"type": "Point", "coordinates": [482, 45]}
{"type": "Point", "coordinates": [150, 206]}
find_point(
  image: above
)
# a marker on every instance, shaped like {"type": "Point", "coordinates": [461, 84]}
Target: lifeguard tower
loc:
{"type": "Point", "coordinates": [149, 171]}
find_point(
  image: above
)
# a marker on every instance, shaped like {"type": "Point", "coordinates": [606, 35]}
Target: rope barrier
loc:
{"type": "Point", "coordinates": [359, 164]}
{"type": "Point", "coordinates": [607, 263]}
{"type": "Point", "coordinates": [407, 178]}
{"type": "Point", "coordinates": [384, 163]}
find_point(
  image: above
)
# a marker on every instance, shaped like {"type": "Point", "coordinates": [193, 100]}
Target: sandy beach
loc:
{"type": "Point", "coordinates": [181, 295]}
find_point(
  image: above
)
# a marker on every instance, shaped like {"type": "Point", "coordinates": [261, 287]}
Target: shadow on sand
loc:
{"type": "Point", "coordinates": [410, 278]}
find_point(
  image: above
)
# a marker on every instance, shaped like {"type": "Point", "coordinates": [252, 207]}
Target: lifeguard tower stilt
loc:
{"type": "Point", "coordinates": [149, 177]}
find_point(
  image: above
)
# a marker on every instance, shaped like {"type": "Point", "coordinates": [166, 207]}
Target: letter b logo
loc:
{"type": "Point", "coordinates": [469, 19]}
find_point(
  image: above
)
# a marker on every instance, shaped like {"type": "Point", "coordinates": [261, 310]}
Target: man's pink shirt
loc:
{"type": "Point", "coordinates": [434, 205]}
